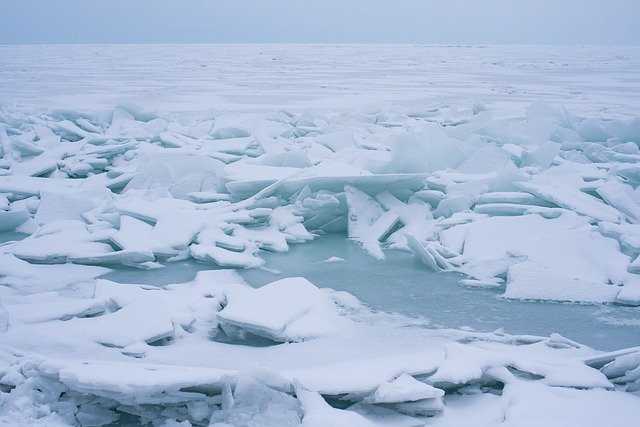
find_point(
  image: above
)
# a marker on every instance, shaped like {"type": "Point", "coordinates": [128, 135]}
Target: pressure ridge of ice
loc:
{"type": "Point", "coordinates": [545, 207]}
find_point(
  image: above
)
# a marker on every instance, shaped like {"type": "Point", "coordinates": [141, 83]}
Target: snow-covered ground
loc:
{"type": "Point", "coordinates": [515, 166]}
{"type": "Point", "coordinates": [590, 81]}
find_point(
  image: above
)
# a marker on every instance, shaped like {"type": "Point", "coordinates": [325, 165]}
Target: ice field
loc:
{"type": "Point", "coordinates": [319, 235]}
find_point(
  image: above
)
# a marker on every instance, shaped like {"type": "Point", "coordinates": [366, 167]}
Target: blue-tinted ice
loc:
{"type": "Point", "coordinates": [402, 285]}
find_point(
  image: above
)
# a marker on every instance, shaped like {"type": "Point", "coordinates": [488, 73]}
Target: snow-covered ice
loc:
{"type": "Point", "coordinates": [512, 170]}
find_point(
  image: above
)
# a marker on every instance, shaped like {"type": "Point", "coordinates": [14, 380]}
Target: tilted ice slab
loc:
{"type": "Point", "coordinates": [59, 310]}
{"type": "Point", "coordinates": [291, 183]}
{"type": "Point", "coordinates": [20, 277]}
{"type": "Point", "coordinates": [575, 265]}
{"type": "Point", "coordinates": [286, 310]}
{"type": "Point", "coordinates": [10, 220]}
{"type": "Point", "coordinates": [368, 221]}
{"type": "Point", "coordinates": [563, 185]}
{"type": "Point", "coordinates": [559, 259]}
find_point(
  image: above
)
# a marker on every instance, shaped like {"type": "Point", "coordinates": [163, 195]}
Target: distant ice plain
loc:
{"type": "Point", "coordinates": [589, 80]}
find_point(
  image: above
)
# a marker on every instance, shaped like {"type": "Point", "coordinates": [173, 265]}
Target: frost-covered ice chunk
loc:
{"type": "Point", "coordinates": [433, 197]}
{"type": "Point", "coordinates": [510, 197]}
{"type": "Point", "coordinates": [246, 258]}
{"type": "Point", "coordinates": [321, 210]}
{"type": "Point", "coordinates": [543, 258]}
{"type": "Point", "coordinates": [489, 158]}
{"type": "Point", "coordinates": [485, 243]}
{"type": "Point", "coordinates": [575, 265]}
{"type": "Point", "coordinates": [142, 320]}
{"type": "Point", "coordinates": [510, 209]}
{"type": "Point", "coordinates": [624, 370]}
{"type": "Point", "coordinates": [630, 293]}
{"type": "Point", "coordinates": [93, 415]}
{"type": "Point", "coordinates": [415, 215]}
{"type": "Point", "coordinates": [405, 388]}
{"type": "Point", "coordinates": [452, 205]}
{"type": "Point", "coordinates": [290, 309]}
{"type": "Point", "coordinates": [136, 258]}
{"type": "Point", "coordinates": [328, 176]}
{"type": "Point", "coordinates": [627, 234]}
{"type": "Point", "coordinates": [37, 166]}
{"type": "Point", "coordinates": [531, 404]}
{"type": "Point", "coordinates": [289, 221]}
{"type": "Point", "coordinates": [542, 156]}
{"type": "Point", "coordinates": [62, 310]}
{"type": "Point", "coordinates": [507, 177]}
{"type": "Point", "coordinates": [135, 383]}
{"type": "Point", "coordinates": [598, 130]}
{"type": "Point", "coordinates": [178, 174]}
{"type": "Point", "coordinates": [253, 404]}
{"type": "Point", "coordinates": [428, 254]}
{"type": "Point", "coordinates": [336, 141]}
{"type": "Point", "coordinates": [457, 367]}
{"type": "Point", "coordinates": [318, 413]}
{"type": "Point", "coordinates": [58, 241]}
{"type": "Point", "coordinates": [207, 196]}
{"type": "Point", "coordinates": [24, 277]}
{"type": "Point", "coordinates": [368, 221]}
{"type": "Point", "coordinates": [10, 220]}
{"type": "Point", "coordinates": [563, 186]}
{"type": "Point", "coordinates": [380, 415]}
{"type": "Point", "coordinates": [428, 150]}
{"type": "Point", "coordinates": [476, 363]}
{"type": "Point", "coordinates": [30, 186]}
{"type": "Point", "coordinates": [244, 180]}
{"type": "Point", "coordinates": [528, 280]}
{"type": "Point", "coordinates": [165, 237]}
{"type": "Point", "coordinates": [134, 234]}
{"type": "Point", "coordinates": [620, 197]}
{"type": "Point", "coordinates": [58, 206]}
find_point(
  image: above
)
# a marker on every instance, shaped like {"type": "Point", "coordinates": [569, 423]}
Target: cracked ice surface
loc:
{"type": "Point", "coordinates": [540, 207]}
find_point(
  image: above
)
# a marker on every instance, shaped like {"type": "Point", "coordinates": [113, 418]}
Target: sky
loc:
{"type": "Point", "coordinates": [602, 22]}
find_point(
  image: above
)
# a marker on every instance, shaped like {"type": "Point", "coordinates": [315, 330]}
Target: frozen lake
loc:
{"type": "Point", "coordinates": [195, 78]}
{"type": "Point", "coordinates": [517, 166]}
{"type": "Point", "coordinates": [402, 285]}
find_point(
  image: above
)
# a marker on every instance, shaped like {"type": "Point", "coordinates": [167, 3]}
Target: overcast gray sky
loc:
{"type": "Point", "coordinates": [415, 21]}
